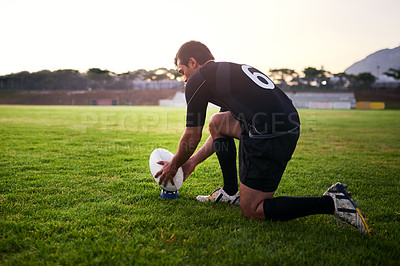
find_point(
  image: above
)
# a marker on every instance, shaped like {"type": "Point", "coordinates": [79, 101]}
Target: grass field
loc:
{"type": "Point", "coordinates": [75, 188]}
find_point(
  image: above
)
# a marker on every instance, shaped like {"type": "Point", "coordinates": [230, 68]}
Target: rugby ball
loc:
{"type": "Point", "coordinates": [164, 155]}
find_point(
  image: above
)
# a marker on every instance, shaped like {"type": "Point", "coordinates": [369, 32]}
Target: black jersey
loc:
{"type": "Point", "coordinates": [251, 97]}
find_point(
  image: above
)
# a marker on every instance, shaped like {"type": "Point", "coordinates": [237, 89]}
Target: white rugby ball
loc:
{"type": "Point", "coordinates": [164, 155]}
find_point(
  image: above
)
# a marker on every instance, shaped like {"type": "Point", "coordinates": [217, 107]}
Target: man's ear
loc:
{"type": "Point", "coordinates": [192, 62]}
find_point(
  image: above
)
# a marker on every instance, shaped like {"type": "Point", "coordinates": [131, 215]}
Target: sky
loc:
{"type": "Point", "coordinates": [126, 35]}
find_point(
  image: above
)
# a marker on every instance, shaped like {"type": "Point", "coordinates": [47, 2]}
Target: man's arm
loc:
{"type": "Point", "coordinates": [204, 152]}
{"type": "Point", "coordinates": [187, 145]}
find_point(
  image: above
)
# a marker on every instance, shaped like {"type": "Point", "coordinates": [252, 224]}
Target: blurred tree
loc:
{"type": "Point", "coordinates": [174, 74]}
{"type": "Point", "coordinates": [363, 81]}
{"type": "Point", "coordinates": [283, 76]}
{"type": "Point", "coordinates": [157, 74]}
{"type": "Point", "coordinates": [99, 79]}
{"type": "Point", "coordinates": [21, 80]}
{"type": "Point", "coordinates": [161, 74]}
{"type": "Point", "coordinates": [70, 79]}
{"type": "Point", "coordinates": [395, 73]}
{"type": "Point", "coordinates": [340, 81]}
{"type": "Point", "coordinates": [314, 76]}
{"type": "Point", "coordinates": [43, 80]}
{"type": "Point", "coordinates": [98, 74]}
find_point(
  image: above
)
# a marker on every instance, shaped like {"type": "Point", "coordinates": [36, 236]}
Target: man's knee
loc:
{"type": "Point", "coordinates": [252, 202]}
{"type": "Point", "coordinates": [223, 125]}
{"type": "Point", "coordinates": [253, 210]}
{"type": "Point", "coordinates": [246, 212]}
{"type": "Point", "coordinates": [216, 122]}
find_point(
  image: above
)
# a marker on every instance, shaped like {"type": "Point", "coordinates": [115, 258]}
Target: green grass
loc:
{"type": "Point", "coordinates": [75, 188]}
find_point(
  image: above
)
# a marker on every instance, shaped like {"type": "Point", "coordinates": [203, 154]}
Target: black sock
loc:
{"type": "Point", "coordinates": [288, 208]}
{"type": "Point", "coordinates": [225, 149]}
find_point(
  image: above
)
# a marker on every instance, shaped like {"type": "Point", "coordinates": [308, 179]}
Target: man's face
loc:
{"type": "Point", "coordinates": [188, 70]}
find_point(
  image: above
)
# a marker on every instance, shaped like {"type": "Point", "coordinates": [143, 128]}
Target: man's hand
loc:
{"type": "Point", "coordinates": [187, 145]}
{"type": "Point", "coordinates": [167, 173]}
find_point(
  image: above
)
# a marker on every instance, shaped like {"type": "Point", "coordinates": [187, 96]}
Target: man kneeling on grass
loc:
{"type": "Point", "coordinates": [255, 111]}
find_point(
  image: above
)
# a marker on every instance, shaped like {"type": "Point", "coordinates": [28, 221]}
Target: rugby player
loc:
{"type": "Point", "coordinates": [260, 115]}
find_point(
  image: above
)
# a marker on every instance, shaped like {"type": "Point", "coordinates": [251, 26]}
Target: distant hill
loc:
{"type": "Point", "coordinates": [385, 59]}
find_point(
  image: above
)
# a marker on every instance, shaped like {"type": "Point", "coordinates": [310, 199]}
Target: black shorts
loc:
{"type": "Point", "coordinates": [263, 161]}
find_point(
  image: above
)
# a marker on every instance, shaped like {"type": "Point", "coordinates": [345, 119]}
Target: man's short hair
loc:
{"type": "Point", "coordinates": [194, 49]}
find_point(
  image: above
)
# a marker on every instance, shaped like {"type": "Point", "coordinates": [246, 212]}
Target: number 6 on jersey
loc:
{"type": "Point", "coordinates": [259, 78]}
